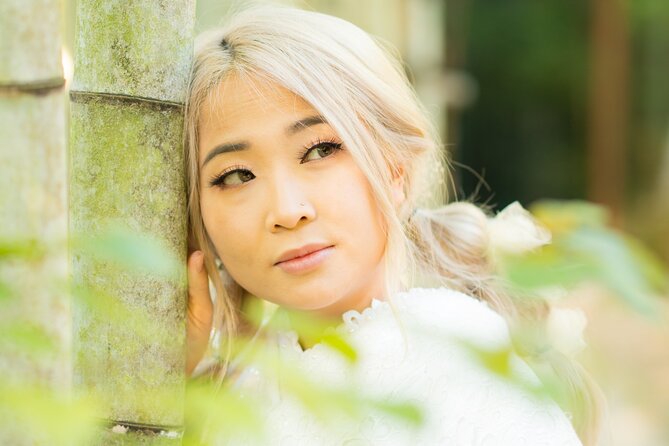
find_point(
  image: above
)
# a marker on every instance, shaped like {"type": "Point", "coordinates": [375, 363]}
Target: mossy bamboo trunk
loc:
{"type": "Point", "coordinates": [132, 60]}
{"type": "Point", "coordinates": [32, 207]}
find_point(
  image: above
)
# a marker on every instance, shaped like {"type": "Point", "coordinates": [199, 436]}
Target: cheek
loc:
{"type": "Point", "coordinates": [359, 211]}
{"type": "Point", "coordinates": [209, 215]}
{"type": "Point", "coordinates": [225, 228]}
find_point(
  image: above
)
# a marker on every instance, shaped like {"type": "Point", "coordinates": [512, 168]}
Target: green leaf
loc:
{"type": "Point", "coordinates": [131, 250]}
{"type": "Point", "coordinates": [585, 250]}
{"type": "Point", "coordinates": [26, 249]}
{"type": "Point", "coordinates": [313, 329]}
{"type": "Point", "coordinates": [500, 362]}
{"type": "Point", "coordinates": [562, 216]}
{"type": "Point", "coordinates": [6, 293]}
{"type": "Point", "coordinates": [402, 411]}
{"type": "Point", "coordinates": [320, 400]}
{"type": "Point", "coordinates": [338, 343]}
{"type": "Point", "coordinates": [45, 415]}
{"type": "Point", "coordinates": [617, 267]}
{"type": "Point", "coordinates": [497, 361]}
{"type": "Point", "coordinates": [218, 412]}
{"type": "Point", "coordinates": [28, 337]}
{"type": "Point", "coordinates": [115, 312]}
{"type": "Point", "coordinates": [548, 267]}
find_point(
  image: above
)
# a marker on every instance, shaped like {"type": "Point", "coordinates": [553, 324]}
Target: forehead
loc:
{"type": "Point", "coordinates": [240, 103]}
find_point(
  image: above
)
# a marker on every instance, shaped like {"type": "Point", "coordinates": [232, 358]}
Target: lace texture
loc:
{"type": "Point", "coordinates": [414, 354]}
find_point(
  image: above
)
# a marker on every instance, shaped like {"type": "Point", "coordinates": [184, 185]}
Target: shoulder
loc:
{"type": "Point", "coordinates": [409, 350]}
{"type": "Point", "coordinates": [428, 357]}
{"type": "Point", "coordinates": [473, 387]}
{"type": "Point", "coordinates": [455, 314]}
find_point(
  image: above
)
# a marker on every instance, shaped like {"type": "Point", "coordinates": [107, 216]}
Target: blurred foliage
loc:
{"type": "Point", "coordinates": [584, 249]}
{"type": "Point", "coordinates": [530, 60]}
{"type": "Point", "coordinates": [212, 411]}
{"type": "Point", "coordinates": [129, 250]}
{"type": "Point", "coordinates": [32, 411]}
{"type": "Point", "coordinates": [234, 409]}
{"type": "Point", "coordinates": [45, 415]}
{"type": "Point", "coordinates": [239, 401]}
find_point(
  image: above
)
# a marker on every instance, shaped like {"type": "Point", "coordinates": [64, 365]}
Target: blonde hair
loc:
{"type": "Point", "coordinates": [362, 91]}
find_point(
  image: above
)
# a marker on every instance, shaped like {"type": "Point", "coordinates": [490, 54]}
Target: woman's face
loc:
{"type": "Point", "coordinates": [289, 212]}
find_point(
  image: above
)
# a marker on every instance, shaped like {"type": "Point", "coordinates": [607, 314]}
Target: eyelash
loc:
{"type": "Point", "coordinates": [218, 180]}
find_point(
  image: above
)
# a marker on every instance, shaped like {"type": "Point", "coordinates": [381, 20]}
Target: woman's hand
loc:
{"type": "Point", "coordinates": [200, 309]}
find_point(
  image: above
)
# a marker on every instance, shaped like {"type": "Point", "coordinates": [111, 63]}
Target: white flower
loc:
{"type": "Point", "coordinates": [513, 230]}
{"type": "Point", "coordinates": [565, 330]}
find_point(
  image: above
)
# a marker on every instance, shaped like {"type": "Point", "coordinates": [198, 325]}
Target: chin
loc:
{"type": "Point", "coordinates": [307, 305]}
{"type": "Point", "coordinates": [306, 302]}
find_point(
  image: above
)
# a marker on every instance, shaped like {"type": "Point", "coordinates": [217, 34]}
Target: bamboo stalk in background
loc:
{"type": "Point", "coordinates": [34, 313]}
{"type": "Point", "coordinates": [608, 126]}
{"type": "Point", "coordinates": [132, 61]}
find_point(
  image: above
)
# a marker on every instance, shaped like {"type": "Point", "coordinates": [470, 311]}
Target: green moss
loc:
{"type": "Point", "coordinates": [126, 165]}
{"type": "Point", "coordinates": [144, 46]}
{"type": "Point", "coordinates": [107, 438]}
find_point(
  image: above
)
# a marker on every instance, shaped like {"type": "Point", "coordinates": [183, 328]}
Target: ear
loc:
{"type": "Point", "coordinates": [398, 187]}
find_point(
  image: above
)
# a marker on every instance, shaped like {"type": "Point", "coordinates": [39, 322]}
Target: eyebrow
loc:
{"type": "Point", "coordinates": [304, 123]}
{"type": "Point", "coordinates": [239, 146]}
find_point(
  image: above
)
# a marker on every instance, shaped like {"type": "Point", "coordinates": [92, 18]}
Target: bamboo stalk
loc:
{"type": "Point", "coordinates": [609, 103]}
{"type": "Point", "coordinates": [132, 61]}
{"type": "Point", "coordinates": [32, 210]}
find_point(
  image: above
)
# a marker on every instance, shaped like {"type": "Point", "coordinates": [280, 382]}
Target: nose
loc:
{"type": "Point", "coordinates": [289, 205]}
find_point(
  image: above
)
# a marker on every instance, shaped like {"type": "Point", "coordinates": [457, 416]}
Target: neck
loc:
{"type": "Point", "coordinates": [330, 317]}
{"type": "Point", "coordinates": [357, 298]}
{"type": "Point", "coordinates": [311, 325]}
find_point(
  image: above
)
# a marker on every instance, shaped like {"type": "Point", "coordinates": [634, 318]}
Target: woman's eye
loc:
{"type": "Point", "coordinates": [322, 150]}
{"type": "Point", "coordinates": [236, 177]}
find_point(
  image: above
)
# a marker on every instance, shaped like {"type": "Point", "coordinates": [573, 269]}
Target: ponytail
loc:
{"type": "Point", "coordinates": [455, 246]}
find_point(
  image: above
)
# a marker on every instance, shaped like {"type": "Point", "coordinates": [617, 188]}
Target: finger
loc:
{"type": "Point", "coordinates": [199, 310]}
{"type": "Point", "coordinates": [199, 300]}
{"type": "Point", "coordinates": [198, 282]}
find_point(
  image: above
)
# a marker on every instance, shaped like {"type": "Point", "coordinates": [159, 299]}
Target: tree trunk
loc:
{"type": "Point", "coordinates": [609, 105]}
{"type": "Point", "coordinates": [132, 61]}
{"type": "Point", "coordinates": [32, 209]}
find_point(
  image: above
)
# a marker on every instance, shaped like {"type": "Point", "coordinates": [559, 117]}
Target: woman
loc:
{"type": "Point", "coordinates": [307, 154]}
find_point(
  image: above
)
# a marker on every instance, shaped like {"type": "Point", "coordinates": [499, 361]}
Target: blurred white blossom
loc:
{"type": "Point", "coordinates": [565, 330]}
{"type": "Point", "coordinates": [513, 231]}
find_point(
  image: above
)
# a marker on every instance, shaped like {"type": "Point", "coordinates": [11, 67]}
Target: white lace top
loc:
{"type": "Point", "coordinates": [414, 354]}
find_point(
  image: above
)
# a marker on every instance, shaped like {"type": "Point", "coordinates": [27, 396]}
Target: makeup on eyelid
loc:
{"type": "Point", "coordinates": [329, 143]}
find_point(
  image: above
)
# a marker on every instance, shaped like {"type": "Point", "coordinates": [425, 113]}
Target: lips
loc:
{"type": "Point", "coordinates": [305, 260]}
{"type": "Point", "coordinates": [301, 252]}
